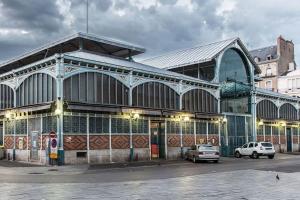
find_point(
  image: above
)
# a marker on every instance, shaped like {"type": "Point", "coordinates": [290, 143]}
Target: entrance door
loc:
{"type": "Point", "coordinates": [289, 139]}
{"type": "Point", "coordinates": [34, 153]}
{"type": "Point", "coordinates": [236, 129]}
{"type": "Point", "coordinates": [157, 140]}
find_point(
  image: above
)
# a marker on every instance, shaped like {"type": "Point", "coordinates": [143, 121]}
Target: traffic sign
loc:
{"type": "Point", "coordinates": [52, 134]}
{"type": "Point", "coordinates": [53, 148]}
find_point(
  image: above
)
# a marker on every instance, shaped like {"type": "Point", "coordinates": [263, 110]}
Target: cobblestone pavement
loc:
{"type": "Point", "coordinates": [243, 184]}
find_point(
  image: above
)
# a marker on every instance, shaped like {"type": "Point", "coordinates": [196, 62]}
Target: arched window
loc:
{"type": "Point", "coordinates": [6, 97]}
{"type": "Point", "coordinates": [233, 66]}
{"type": "Point", "coordinates": [91, 87]}
{"type": "Point", "coordinates": [35, 89]}
{"type": "Point", "coordinates": [155, 95]}
{"type": "Point", "coordinates": [198, 100]}
{"type": "Point", "coordinates": [266, 109]}
{"type": "Point", "coordinates": [288, 112]}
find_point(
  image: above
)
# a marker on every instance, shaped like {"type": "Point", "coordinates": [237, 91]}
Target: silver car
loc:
{"type": "Point", "coordinates": [205, 152]}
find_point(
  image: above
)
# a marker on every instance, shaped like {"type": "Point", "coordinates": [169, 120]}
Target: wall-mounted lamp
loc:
{"type": "Point", "coordinates": [260, 123]}
{"type": "Point", "coordinates": [224, 120]}
{"type": "Point", "coordinates": [282, 124]}
{"type": "Point", "coordinates": [136, 116]}
{"type": "Point", "coordinates": [186, 118]}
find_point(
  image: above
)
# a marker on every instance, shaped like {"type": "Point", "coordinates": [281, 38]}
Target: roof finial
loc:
{"type": "Point", "coordinates": [87, 16]}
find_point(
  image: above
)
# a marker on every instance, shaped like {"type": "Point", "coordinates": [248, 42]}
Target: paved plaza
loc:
{"type": "Point", "coordinates": [230, 179]}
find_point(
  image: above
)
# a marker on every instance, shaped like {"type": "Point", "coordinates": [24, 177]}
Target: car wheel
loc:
{"type": "Point", "coordinates": [271, 156]}
{"type": "Point", "coordinates": [237, 154]}
{"type": "Point", "coordinates": [255, 155]}
{"type": "Point", "coordinates": [216, 161]}
{"type": "Point", "coordinates": [194, 159]}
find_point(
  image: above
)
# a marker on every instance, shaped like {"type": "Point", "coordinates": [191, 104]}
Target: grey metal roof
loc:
{"type": "Point", "coordinates": [71, 43]}
{"type": "Point", "coordinates": [109, 60]}
{"type": "Point", "coordinates": [189, 56]}
{"type": "Point", "coordinates": [195, 55]}
{"type": "Point", "coordinates": [263, 53]}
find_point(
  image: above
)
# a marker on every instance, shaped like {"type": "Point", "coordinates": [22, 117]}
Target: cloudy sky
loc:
{"type": "Point", "coordinates": [158, 25]}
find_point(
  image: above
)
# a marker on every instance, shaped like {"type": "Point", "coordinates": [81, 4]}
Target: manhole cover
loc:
{"type": "Point", "coordinates": [52, 170]}
{"type": "Point", "coordinates": [35, 173]}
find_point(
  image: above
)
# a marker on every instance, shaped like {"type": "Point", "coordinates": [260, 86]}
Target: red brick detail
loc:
{"type": "Point", "coordinates": [295, 139]}
{"type": "Point", "coordinates": [120, 142]}
{"type": "Point", "coordinates": [282, 139]}
{"type": "Point", "coordinates": [260, 138]}
{"type": "Point", "coordinates": [173, 140]}
{"type": "Point", "coordinates": [275, 139]}
{"type": "Point", "coordinates": [188, 140]}
{"type": "Point", "coordinates": [24, 142]}
{"type": "Point", "coordinates": [213, 139]}
{"type": "Point", "coordinates": [268, 138]}
{"type": "Point", "coordinates": [140, 141]}
{"type": "Point", "coordinates": [75, 142]}
{"type": "Point", "coordinates": [99, 142]}
{"type": "Point", "coordinates": [8, 142]}
{"type": "Point", "coordinates": [201, 139]}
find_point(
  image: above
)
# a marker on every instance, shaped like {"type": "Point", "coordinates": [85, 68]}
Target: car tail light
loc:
{"type": "Point", "coordinates": [200, 153]}
{"type": "Point", "coordinates": [217, 153]}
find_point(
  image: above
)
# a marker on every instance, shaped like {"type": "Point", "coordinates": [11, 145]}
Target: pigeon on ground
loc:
{"type": "Point", "coordinates": [277, 177]}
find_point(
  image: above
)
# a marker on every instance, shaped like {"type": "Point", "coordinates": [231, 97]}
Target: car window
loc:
{"type": "Point", "coordinates": [245, 145]}
{"type": "Point", "coordinates": [206, 148]}
{"type": "Point", "coordinates": [266, 144]}
{"type": "Point", "coordinates": [256, 144]}
{"type": "Point", "coordinates": [251, 145]}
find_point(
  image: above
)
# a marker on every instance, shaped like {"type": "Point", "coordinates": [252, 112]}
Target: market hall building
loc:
{"type": "Point", "coordinates": [105, 107]}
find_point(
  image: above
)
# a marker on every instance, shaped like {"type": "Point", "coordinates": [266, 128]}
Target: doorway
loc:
{"type": "Point", "coordinates": [157, 140]}
{"type": "Point", "coordinates": [289, 139]}
{"type": "Point", "coordinates": [34, 153]}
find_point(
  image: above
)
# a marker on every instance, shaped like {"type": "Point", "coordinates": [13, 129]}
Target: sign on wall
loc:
{"type": "Point", "coordinates": [53, 145]}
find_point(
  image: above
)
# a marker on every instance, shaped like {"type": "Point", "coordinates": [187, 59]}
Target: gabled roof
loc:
{"type": "Point", "coordinates": [73, 42]}
{"type": "Point", "coordinates": [195, 55]}
{"type": "Point", "coordinates": [263, 53]}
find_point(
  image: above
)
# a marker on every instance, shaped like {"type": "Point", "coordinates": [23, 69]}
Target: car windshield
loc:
{"type": "Point", "coordinates": [266, 144]}
{"type": "Point", "coordinates": [206, 148]}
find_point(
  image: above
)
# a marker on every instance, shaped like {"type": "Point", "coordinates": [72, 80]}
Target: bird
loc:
{"type": "Point", "coordinates": [277, 177]}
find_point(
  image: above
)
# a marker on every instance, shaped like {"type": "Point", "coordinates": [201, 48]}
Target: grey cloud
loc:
{"type": "Point", "coordinates": [158, 28]}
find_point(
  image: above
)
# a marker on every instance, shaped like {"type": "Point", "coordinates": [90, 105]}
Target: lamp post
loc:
{"type": "Point", "coordinates": [59, 113]}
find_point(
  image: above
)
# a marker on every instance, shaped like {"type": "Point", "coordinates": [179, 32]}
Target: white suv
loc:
{"type": "Point", "coordinates": [255, 149]}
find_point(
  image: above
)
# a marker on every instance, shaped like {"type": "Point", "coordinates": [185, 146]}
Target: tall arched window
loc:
{"type": "Point", "coordinates": [266, 109]}
{"type": "Point", "coordinates": [6, 97]}
{"type": "Point", "coordinates": [35, 89]}
{"type": "Point", "coordinates": [198, 100]}
{"type": "Point", "coordinates": [91, 87]}
{"type": "Point", "coordinates": [155, 95]}
{"type": "Point", "coordinates": [233, 66]}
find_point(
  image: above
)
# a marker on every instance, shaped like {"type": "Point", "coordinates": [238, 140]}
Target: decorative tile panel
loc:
{"type": "Point", "coordinates": [213, 139]}
{"type": "Point", "coordinates": [75, 142]}
{"type": "Point", "coordinates": [120, 142]}
{"type": "Point", "coordinates": [188, 140]}
{"type": "Point", "coordinates": [140, 141]}
{"type": "Point", "coordinates": [99, 142]}
{"type": "Point", "coordinates": [8, 142]}
{"type": "Point", "coordinates": [173, 140]}
{"type": "Point", "coordinates": [201, 139]}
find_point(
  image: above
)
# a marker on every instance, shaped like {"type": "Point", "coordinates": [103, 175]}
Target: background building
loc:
{"type": "Point", "coordinates": [274, 61]}
{"type": "Point", "coordinates": [290, 83]}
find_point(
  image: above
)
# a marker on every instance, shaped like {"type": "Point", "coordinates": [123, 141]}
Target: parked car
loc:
{"type": "Point", "coordinates": [255, 149]}
{"type": "Point", "coordinates": [205, 152]}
